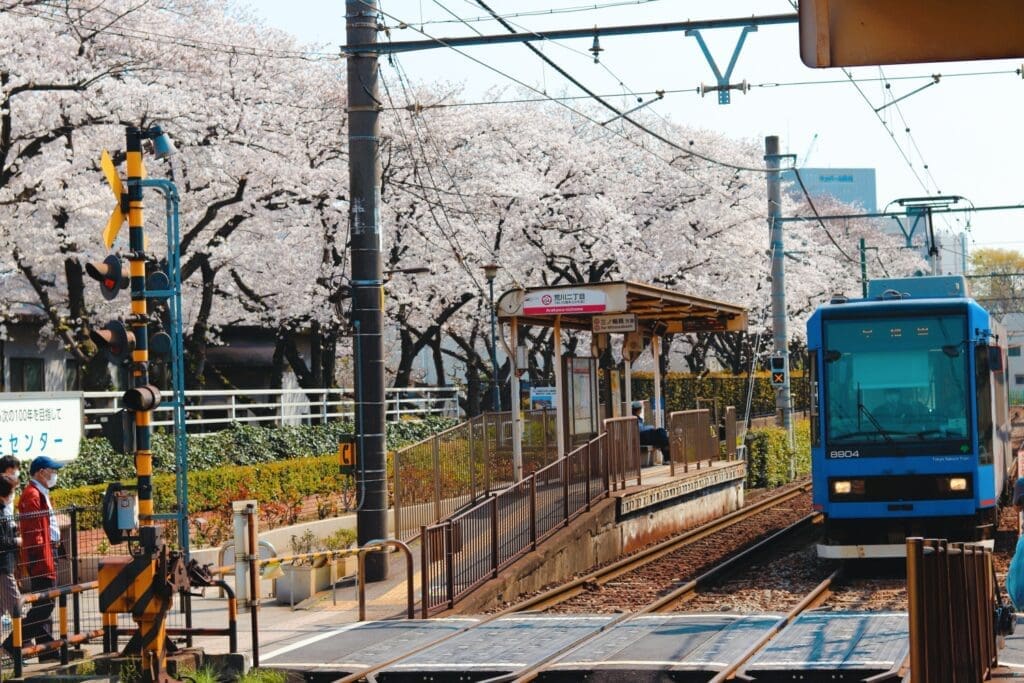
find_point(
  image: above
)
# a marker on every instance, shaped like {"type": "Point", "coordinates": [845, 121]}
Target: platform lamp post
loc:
{"type": "Point", "coordinates": [490, 272]}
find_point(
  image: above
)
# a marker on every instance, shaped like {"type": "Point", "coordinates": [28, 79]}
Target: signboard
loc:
{"type": "Point", "coordinates": [542, 397]}
{"type": "Point", "coordinates": [556, 301]}
{"type": "Point", "coordinates": [717, 324]}
{"type": "Point", "coordinates": [34, 424]}
{"type": "Point", "coordinates": [621, 322]}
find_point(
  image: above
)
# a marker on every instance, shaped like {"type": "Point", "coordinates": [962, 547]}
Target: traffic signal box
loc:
{"type": "Point", "coordinates": [143, 583]}
{"type": "Point", "coordinates": [777, 365]}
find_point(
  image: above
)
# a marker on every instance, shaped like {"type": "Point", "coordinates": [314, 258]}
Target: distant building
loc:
{"type": "Point", "coordinates": [854, 186]}
{"type": "Point", "coordinates": [1014, 323]}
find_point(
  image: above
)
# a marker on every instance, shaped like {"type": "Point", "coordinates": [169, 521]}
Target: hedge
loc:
{"type": "Point", "coordinates": [682, 391]}
{"type": "Point", "coordinates": [280, 487]}
{"type": "Point", "coordinates": [769, 454]}
{"type": "Point", "coordinates": [240, 444]}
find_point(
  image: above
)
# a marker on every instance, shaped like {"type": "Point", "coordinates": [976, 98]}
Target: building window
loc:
{"type": "Point", "coordinates": [1014, 352]}
{"type": "Point", "coordinates": [72, 379]}
{"type": "Point", "coordinates": [1018, 379]}
{"type": "Point", "coordinates": [27, 374]}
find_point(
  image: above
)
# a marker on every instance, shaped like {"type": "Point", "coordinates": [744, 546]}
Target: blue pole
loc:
{"type": "Point", "coordinates": [170, 193]}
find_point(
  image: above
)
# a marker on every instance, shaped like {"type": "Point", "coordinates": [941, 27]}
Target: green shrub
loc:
{"type": "Point", "coordinates": [769, 454]}
{"type": "Point", "coordinates": [239, 444]}
{"type": "Point", "coordinates": [683, 389]}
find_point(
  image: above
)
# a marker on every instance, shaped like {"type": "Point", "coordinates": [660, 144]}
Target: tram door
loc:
{"type": "Point", "coordinates": [581, 402]}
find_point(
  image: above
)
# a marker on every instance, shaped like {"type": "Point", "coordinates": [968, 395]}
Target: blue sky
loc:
{"type": "Point", "coordinates": [965, 129]}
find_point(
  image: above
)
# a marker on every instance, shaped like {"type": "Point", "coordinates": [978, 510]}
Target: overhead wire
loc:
{"type": "Point", "coordinates": [679, 91]}
{"type": "Point", "coordinates": [593, 95]}
{"type": "Point", "coordinates": [131, 33]}
{"type": "Point", "coordinates": [540, 12]}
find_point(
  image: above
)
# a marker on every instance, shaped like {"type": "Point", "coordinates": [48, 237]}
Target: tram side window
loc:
{"type": "Point", "coordinates": [815, 431]}
{"type": "Point", "coordinates": [983, 386]}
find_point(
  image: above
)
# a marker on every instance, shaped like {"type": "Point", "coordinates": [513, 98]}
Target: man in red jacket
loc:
{"type": "Point", "coordinates": [40, 536]}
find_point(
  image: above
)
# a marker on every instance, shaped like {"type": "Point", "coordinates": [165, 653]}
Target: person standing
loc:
{"type": "Point", "coordinates": [10, 596]}
{"type": "Point", "coordinates": [40, 536]}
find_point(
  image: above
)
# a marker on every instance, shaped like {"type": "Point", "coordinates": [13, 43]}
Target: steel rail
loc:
{"type": "Point", "coordinates": [816, 597]}
{"type": "Point", "coordinates": [611, 572]}
{"type": "Point", "coordinates": [645, 556]}
{"type": "Point", "coordinates": [684, 592]}
{"type": "Point", "coordinates": [716, 573]}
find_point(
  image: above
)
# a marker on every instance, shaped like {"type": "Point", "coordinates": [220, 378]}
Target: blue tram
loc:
{"type": "Point", "coordinates": [910, 424]}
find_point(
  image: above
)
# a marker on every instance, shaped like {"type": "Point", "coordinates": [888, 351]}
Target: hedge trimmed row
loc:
{"type": "Point", "coordinates": [769, 454]}
{"type": "Point", "coordinates": [240, 444]}
{"type": "Point", "coordinates": [682, 391]}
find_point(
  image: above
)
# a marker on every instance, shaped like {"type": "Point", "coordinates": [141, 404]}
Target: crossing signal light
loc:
{"type": "Point", "coordinates": [111, 274]}
{"type": "Point", "coordinates": [778, 370]}
{"type": "Point", "coordinates": [119, 430]}
{"type": "Point", "coordinates": [146, 397]}
{"type": "Point", "coordinates": [115, 340]}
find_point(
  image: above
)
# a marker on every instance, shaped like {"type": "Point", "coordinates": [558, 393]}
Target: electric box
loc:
{"type": "Point", "coordinates": [127, 510]}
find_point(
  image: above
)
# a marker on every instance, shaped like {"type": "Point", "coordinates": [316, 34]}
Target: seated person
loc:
{"type": "Point", "coordinates": [651, 435]}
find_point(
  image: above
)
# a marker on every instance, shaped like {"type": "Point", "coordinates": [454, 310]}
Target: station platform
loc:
{"type": "Point", "coordinates": [631, 517]}
{"type": "Point", "coordinates": [832, 646]}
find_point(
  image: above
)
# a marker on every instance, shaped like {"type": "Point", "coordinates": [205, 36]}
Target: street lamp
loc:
{"type": "Point", "coordinates": [490, 271]}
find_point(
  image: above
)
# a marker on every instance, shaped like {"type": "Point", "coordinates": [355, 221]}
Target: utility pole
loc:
{"type": "Point", "coordinates": [863, 269]}
{"type": "Point", "coordinates": [783, 402]}
{"type": "Point", "coordinates": [367, 281]}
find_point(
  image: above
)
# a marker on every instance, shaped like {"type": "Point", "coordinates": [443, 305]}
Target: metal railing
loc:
{"type": "Point", "coordinates": [951, 605]}
{"type": "Point", "coordinates": [440, 475]}
{"type": "Point", "coordinates": [462, 552]}
{"type": "Point", "coordinates": [208, 410]}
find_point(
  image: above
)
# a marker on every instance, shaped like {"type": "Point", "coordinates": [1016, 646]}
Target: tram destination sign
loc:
{"type": "Point", "coordinates": [557, 301]}
{"type": "Point", "coordinates": [620, 322]}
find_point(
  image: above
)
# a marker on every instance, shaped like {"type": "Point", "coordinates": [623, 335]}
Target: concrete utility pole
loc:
{"type": "Point", "coordinates": [367, 281]}
{"type": "Point", "coordinates": [783, 401]}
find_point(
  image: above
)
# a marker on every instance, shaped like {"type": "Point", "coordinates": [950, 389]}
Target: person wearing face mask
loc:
{"type": "Point", "coordinates": [10, 469]}
{"type": "Point", "coordinates": [40, 536]}
{"type": "Point", "coordinates": [10, 595]}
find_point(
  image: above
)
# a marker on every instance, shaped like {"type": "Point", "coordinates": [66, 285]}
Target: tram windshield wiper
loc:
{"type": "Point", "coordinates": [874, 423]}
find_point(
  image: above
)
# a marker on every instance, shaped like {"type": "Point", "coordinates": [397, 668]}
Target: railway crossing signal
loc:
{"type": "Point", "coordinates": [111, 274]}
{"type": "Point", "coordinates": [777, 365]}
{"type": "Point", "coordinates": [145, 582]}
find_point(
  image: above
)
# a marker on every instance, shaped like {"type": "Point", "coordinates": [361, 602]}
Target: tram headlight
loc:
{"type": "Point", "coordinates": [957, 483]}
{"type": "Point", "coordinates": [841, 487]}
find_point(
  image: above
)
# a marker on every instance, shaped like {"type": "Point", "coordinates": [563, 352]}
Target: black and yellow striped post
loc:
{"type": "Point", "coordinates": [138, 584]}
{"type": "Point", "coordinates": [139, 320]}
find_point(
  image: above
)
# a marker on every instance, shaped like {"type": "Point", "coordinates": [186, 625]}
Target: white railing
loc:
{"type": "Point", "coordinates": [278, 406]}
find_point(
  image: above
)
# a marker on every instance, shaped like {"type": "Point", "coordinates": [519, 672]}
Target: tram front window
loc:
{"type": "Point", "coordinates": [896, 380]}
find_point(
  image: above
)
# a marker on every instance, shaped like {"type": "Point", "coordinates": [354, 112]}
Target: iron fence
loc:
{"type": "Point", "coordinates": [462, 552]}
{"type": "Point", "coordinates": [951, 607]}
{"type": "Point", "coordinates": [72, 611]}
{"type": "Point", "coordinates": [456, 468]}
{"type": "Point", "coordinates": [208, 410]}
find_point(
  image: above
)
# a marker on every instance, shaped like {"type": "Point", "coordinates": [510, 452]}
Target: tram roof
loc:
{"type": "Point", "coordinates": [657, 310]}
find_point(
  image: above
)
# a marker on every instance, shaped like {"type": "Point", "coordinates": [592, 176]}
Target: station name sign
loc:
{"type": "Point", "coordinates": [557, 301]}
{"type": "Point", "coordinates": [621, 322]}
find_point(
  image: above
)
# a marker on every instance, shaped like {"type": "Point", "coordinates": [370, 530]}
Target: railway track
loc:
{"type": "Point", "coordinates": [668, 597]}
{"type": "Point", "coordinates": [655, 574]}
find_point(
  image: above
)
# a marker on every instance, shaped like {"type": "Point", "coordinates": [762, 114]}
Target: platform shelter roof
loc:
{"type": "Point", "coordinates": [595, 307]}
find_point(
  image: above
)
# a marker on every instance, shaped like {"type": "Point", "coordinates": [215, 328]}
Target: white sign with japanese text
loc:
{"type": "Point", "coordinates": [34, 424]}
{"type": "Point", "coordinates": [556, 301]}
{"type": "Point", "coordinates": [621, 322]}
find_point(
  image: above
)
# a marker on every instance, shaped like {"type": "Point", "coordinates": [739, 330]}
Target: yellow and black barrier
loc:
{"type": "Point", "coordinates": [64, 639]}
